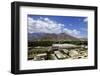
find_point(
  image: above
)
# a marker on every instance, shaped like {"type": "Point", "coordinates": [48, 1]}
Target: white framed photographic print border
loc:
{"type": "Point", "coordinates": [19, 15]}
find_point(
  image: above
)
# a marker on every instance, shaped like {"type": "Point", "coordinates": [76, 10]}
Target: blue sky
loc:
{"type": "Point", "coordinates": [73, 25]}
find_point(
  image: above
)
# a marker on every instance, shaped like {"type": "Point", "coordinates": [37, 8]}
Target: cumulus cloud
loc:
{"type": "Point", "coordinates": [47, 25]}
{"type": "Point", "coordinates": [73, 32]}
{"type": "Point", "coordinates": [85, 20]}
{"type": "Point", "coordinates": [43, 25]}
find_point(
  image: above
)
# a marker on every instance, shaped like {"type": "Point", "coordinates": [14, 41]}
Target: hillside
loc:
{"type": "Point", "coordinates": [51, 37]}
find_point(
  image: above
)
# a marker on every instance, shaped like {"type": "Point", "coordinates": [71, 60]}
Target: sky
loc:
{"type": "Point", "coordinates": [72, 25]}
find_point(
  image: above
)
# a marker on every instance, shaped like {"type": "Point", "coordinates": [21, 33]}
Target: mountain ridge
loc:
{"type": "Point", "coordinates": [51, 37]}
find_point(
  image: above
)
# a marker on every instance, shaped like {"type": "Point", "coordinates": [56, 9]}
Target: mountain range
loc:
{"type": "Point", "coordinates": [52, 37]}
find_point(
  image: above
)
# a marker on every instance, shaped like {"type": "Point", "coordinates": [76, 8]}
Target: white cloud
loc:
{"type": "Point", "coordinates": [43, 25]}
{"type": "Point", "coordinates": [49, 26]}
{"type": "Point", "coordinates": [46, 19]}
{"type": "Point", "coordinates": [85, 20]}
{"type": "Point", "coordinates": [73, 32]}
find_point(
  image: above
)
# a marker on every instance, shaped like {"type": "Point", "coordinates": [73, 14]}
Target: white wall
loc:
{"type": "Point", "coordinates": [5, 27]}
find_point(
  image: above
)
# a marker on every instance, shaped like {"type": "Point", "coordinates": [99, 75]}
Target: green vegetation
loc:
{"type": "Point", "coordinates": [49, 43]}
